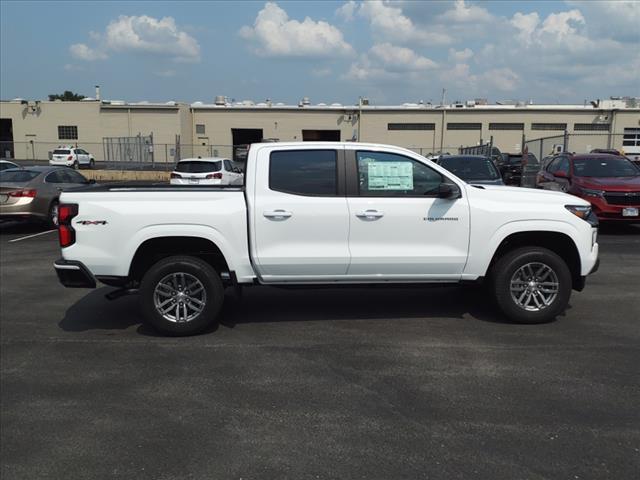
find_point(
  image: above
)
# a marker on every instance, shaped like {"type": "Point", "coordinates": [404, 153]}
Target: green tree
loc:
{"type": "Point", "coordinates": [67, 96]}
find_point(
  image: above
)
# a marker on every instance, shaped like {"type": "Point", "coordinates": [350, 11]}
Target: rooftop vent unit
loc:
{"type": "Point", "coordinates": [364, 101]}
{"type": "Point", "coordinates": [220, 100]}
{"type": "Point", "coordinates": [305, 101]}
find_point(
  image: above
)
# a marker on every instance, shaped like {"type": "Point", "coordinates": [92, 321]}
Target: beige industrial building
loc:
{"type": "Point", "coordinates": [31, 129]}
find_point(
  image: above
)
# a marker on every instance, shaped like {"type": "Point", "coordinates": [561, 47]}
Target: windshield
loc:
{"type": "Point", "coordinates": [61, 152]}
{"type": "Point", "coordinates": [608, 166]}
{"type": "Point", "coordinates": [17, 176]}
{"type": "Point", "coordinates": [471, 168]}
{"type": "Point", "coordinates": [198, 167]}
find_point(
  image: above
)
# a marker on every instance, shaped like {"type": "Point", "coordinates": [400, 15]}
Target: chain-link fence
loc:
{"type": "Point", "coordinates": [575, 143]}
{"type": "Point", "coordinates": [141, 153]}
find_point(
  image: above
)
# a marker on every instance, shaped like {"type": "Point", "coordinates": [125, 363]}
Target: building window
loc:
{"type": "Point", "coordinates": [506, 126]}
{"type": "Point", "coordinates": [411, 126]}
{"type": "Point", "coordinates": [591, 127]}
{"type": "Point", "coordinates": [548, 126]}
{"type": "Point", "coordinates": [200, 129]}
{"type": "Point", "coordinates": [631, 137]}
{"type": "Point", "coordinates": [67, 132]}
{"type": "Point", "coordinates": [464, 126]}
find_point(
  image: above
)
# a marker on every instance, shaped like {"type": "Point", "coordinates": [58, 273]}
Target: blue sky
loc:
{"type": "Point", "coordinates": [391, 52]}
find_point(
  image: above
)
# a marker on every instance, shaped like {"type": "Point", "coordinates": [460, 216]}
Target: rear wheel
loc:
{"type": "Point", "coordinates": [92, 164]}
{"type": "Point", "coordinates": [181, 295]}
{"type": "Point", "coordinates": [76, 165]}
{"type": "Point", "coordinates": [531, 285]}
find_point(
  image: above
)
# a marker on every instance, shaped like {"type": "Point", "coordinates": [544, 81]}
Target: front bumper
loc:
{"type": "Point", "coordinates": [74, 274]}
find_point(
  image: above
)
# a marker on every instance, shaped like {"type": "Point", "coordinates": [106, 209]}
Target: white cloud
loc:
{"type": "Point", "coordinates": [140, 34]}
{"type": "Point", "coordinates": [460, 56]}
{"type": "Point", "coordinates": [321, 72]}
{"type": "Point", "coordinates": [400, 58]}
{"type": "Point", "coordinates": [503, 79]}
{"type": "Point", "coordinates": [150, 35]}
{"type": "Point", "coordinates": [385, 61]}
{"type": "Point", "coordinates": [84, 52]}
{"type": "Point", "coordinates": [347, 11]}
{"type": "Point", "coordinates": [390, 23]}
{"type": "Point", "coordinates": [463, 13]}
{"type": "Point", "coordinates": [275, 35]}
{"type": "Point", "coordinates": [562, 24]}
{"type": "Point", "coordinates": [526, 25]}
{"type": "Point", "coordinates": [615, 19]}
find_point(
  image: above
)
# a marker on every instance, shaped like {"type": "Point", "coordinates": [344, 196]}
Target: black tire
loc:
{"type": "Point", "coordinates": [194, 267]}
{"type": "Point", "coordinates": [52, 216]}
{"type": "Point", "coordinates": [506, 268]}
{"type": "Point", "coordinates": [92, 164]}
{"type": "Point", "coordinates": [76, 165]}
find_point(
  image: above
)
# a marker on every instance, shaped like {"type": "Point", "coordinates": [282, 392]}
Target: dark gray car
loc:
{"type": "Point", "coordinates": [32, 192]}
{"type": "Point", "coordinates": [475, 169]}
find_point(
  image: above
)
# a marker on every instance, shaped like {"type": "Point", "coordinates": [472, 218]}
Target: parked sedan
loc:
{"type": "Point", "coordinates": [476, 169]}
{"type": "Point", "coordinates": [6, 164]}
{"type": "Point", "coordinates": [610, 183]}
{"type": "Point", "coordinates": [32, 193]}
{"type": "Point", "coordinates": [206, 171]}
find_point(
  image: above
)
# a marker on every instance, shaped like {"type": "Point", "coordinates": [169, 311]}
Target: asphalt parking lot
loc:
{"type": "Point", "coordinates": [356, 383]}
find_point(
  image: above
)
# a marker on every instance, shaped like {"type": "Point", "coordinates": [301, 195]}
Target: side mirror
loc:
{"type": "Point", "coordinates": [448, 190]}
{"type": "Point", "coordinates": [561, 174]}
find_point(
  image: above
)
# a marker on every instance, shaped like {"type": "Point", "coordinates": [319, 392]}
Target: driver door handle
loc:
{"type": "Point", "coordinates": [370, 214]}
{"type": "Point", "coordinates": [277, 214]}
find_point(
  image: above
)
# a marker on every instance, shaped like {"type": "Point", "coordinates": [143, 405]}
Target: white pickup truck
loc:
{"type": "Point", "coordinates": [325, 213]}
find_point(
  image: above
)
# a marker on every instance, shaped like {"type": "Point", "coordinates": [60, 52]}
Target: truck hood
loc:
{"type": "Point", "coordinates": [528, 196]}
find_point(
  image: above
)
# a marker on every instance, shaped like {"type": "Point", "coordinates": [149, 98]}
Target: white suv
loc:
{"type": "Point", "coordinates": [206, 171]}
{"type": "Point", "coordinates": [72, 157]}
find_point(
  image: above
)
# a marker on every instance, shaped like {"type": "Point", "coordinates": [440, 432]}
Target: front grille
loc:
{"type": "Point", "coordinates": [622, 198]}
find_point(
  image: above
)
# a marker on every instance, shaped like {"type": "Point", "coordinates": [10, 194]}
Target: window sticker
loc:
{"type": "Point", "coordinates": [390, 175]}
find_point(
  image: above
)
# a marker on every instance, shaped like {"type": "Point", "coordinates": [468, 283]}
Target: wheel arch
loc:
{"type": "Point", "coordinates": [558, 242]}
{"type": "Point", "coordinates": [154, 249]}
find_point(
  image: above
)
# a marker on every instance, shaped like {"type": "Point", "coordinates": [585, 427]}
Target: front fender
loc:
{"type": "Point", "coordinates": [481, 252]}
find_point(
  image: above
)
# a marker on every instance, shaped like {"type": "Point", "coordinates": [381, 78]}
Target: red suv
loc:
{"type": "Point", "coordinates": [610, 182]}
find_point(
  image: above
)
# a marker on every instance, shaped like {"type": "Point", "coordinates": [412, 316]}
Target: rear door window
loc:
{"type": "Point", "coordinates": [228, 166]}
{"type": "Point", "coordinates": [21, 176]}
{"type": "Point", "coordinates": [74, 177]}
{"type": "Point", "coordinates": [304, 172]}
{"type": "Point", "coordinates": [54, 177]}
{"type": "Point", "coordinates": [198, 167]}
{"type": "Point", "coordinates": [390, 175]}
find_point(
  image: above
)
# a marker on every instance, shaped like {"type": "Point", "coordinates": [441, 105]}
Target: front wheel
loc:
{"type": "Point", "coordinates": [181, 295]}
{"type": "Point", "coordinates": [92, 164]}
{"type": "Point", "coordinates": [531, 285]}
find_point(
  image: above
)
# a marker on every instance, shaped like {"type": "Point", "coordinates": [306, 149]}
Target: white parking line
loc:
{"type": "Point", "coordinates": [31, 236]}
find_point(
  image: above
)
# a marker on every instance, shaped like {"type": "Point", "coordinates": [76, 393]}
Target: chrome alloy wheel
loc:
{"type": "Point", "coordinates": [534, 286]}
{"type": "Point", "coordinates": [179, 297]}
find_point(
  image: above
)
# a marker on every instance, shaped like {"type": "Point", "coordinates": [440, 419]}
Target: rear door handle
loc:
{"type": "Point", "coordinates": [370, 214]}
{"type": "Point", "coordinates": [277, 214]}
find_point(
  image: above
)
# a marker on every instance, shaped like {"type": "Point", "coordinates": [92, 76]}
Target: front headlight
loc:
{"type": "Point", "coordinates": [579, 210]}
{"type": "Point", "coordinates": [590, 192]}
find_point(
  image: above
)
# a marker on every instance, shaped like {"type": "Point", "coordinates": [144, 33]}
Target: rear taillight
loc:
{"type": "Point", "coordinates": [66, 233]}
{"type": "Point", "coordinates": [70, 157]}
{"type": "Point", "coordinates": [23, 193]}
{"type": "Point", "coordinates": [175, 175]}
{"type": "Point", "coordinates": [214, 175]}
